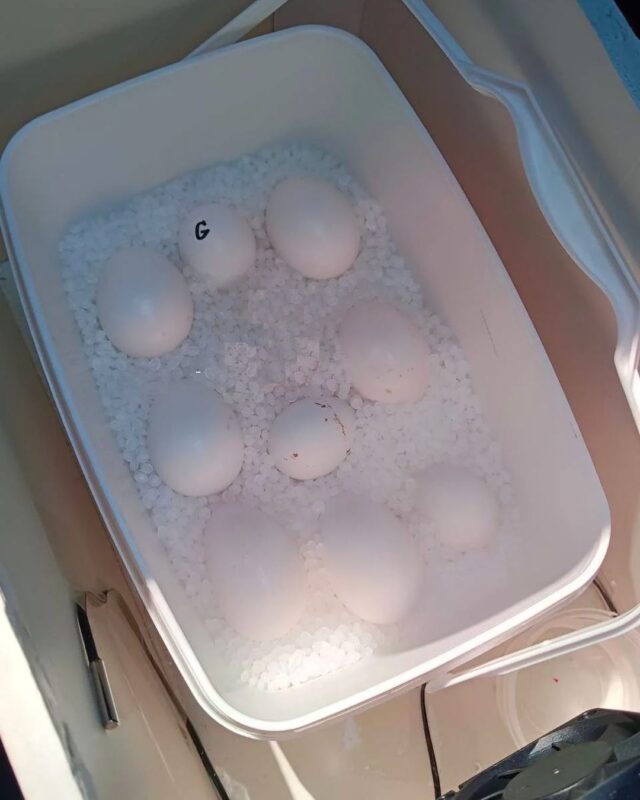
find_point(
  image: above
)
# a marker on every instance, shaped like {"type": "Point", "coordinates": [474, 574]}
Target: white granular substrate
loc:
{"type": "Point", "coordinates": [263, 344]}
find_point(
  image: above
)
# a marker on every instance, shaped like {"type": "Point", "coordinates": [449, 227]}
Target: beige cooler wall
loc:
{"type": "Point", "coordinates": [54, 51]}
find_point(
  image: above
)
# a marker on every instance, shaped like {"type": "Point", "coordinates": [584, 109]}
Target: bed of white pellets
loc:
{"type": "Point", "coordinates": [263, 344]}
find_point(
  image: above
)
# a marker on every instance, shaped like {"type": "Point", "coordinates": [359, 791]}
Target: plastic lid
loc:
{"type": "Point", "coordinates": [536, 700]}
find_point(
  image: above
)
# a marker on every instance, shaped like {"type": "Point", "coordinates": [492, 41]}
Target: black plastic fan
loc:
{"type": "Point", "coordinates": [595, 756]}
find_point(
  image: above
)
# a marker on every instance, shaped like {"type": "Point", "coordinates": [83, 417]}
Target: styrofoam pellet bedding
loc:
{"type": "Point", "coordinates": [263, 344]}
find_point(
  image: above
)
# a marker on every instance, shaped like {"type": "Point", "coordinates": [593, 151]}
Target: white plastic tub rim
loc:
{"type": "Point", "coordinates": [329, 88]}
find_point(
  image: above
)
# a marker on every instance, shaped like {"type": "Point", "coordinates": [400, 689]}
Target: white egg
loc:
{"type": "Point", "coordinates": [385, 354]}
{"type": "Point", "coordinates": [313, 227]}
{"type": "Point", "coordinates": [463, 510]}
{"type": "Point", "coordinates": [310, 438]}
{"type": "Point", "coordinates": [372, 561]}
{"type": "Point", "coordinates": [218, 244]}
{"type": "Point", "coordinates": [256, 571]}
{"type": "Point", "coordinates": [194, 440]}
{"type": "Point", "coordinates": [144, 305]}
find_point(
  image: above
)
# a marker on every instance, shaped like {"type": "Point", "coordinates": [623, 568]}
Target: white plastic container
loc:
{"type": "Point", "coordinates": [324, 87]}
